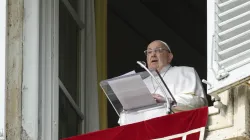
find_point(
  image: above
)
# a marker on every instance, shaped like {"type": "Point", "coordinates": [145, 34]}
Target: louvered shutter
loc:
{"type": "Point", "coordinates": [228, 43]}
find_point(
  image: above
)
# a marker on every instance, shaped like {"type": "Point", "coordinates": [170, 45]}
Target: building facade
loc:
{"type": "Point", "coordinates": [54, 54]}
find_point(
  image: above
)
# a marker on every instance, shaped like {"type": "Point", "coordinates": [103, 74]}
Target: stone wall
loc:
{"type": "Point", "coordinates": [231, 121]}
{"type": "Point", "coordinates": [14, 69]}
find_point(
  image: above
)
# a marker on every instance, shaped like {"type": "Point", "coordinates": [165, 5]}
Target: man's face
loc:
{"type": "Point", "coordinates": [158, 55]}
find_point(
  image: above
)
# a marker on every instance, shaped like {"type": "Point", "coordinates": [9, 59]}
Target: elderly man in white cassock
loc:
{"type": "Point", "coordinates": [183, 82]}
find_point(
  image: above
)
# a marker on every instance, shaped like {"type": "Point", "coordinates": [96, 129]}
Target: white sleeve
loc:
{"type": "Point", "coordinates": [119, 121]}
{"type": "Point", "coordinates": [196, 98]}
{"type": "Point", "coordinates": [189, 102]}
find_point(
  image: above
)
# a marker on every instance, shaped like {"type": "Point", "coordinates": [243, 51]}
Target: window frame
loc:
{"type": "Point", "coordinates": [49, 63]}
{"type": "Point", "coordinates": [79, 19]}
{"type": "Point", "coordinates": [3, 26]}
{"type": "Point", "coordinates": [49, 50]}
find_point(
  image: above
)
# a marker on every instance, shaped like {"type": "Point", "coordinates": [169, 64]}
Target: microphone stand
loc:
{"type": "Point", "coordinates": [168, 104]}
{"type": "Point", "coordinates": [174, 101]}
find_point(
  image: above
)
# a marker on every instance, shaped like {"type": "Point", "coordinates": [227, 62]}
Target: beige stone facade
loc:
{"type": "Point", "coordinates": [231, 121]}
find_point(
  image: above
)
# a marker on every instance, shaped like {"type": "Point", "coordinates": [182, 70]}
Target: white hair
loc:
{"type": "Point", "coordinates": [165, 44]}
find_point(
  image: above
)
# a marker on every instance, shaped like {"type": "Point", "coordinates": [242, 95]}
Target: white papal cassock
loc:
{"type": "Point", "coordinates": [185, 85]}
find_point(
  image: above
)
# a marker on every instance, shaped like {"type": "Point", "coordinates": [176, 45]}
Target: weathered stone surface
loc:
{"type": "Point", "coordinates": [232, 121]}
{"type": "Point", "coordinates": [14, 69]}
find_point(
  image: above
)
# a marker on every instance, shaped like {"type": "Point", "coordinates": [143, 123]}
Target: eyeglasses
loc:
{"type": "Point", "coordinates": [156, 50]}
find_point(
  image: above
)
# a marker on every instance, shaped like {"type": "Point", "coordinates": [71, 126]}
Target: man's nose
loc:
{"type": "Point", "coordinates": [153, 53]}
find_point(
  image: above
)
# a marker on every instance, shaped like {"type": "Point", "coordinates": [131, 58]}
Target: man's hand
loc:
{"type": "Point", "coordinates": [158, 98]}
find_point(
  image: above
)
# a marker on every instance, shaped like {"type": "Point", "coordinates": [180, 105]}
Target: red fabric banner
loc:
{"type": "Point", "coordinates": [189, 123]}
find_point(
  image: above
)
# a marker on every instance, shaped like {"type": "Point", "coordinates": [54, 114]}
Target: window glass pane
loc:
{"type": "Point", "coordinates": [69, 35]}
{"type": "Point", "coordinates": [68, 52]}
{"type": "Point", "coordinates": [69, 121]}
{"type": "Point", "coordinates": [74, 4]}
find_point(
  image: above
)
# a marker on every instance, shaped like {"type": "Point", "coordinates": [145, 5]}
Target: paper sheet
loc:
{"type": "Point", "coordinates": [129, 73]}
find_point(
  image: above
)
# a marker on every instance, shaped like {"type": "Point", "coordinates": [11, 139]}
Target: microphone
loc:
{"type": "Point", "coordinates": [142, 64]}
{"type": "Point", "coordinates": [174, 101]}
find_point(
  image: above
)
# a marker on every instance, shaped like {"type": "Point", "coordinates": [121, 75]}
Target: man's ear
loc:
{"type": "Point", "coordinates": [170, 57]}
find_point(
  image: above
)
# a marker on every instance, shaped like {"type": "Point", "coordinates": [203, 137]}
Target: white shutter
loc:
{"type": "Point", "coordinates": [3, 13]}
{"type": "Point", "coordinates": [228, 43]}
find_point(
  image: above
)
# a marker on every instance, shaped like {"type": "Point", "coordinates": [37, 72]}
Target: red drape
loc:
{"type": "Point", "coordinates": [154, 128]}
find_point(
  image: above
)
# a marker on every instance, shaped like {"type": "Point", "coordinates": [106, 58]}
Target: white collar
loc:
{"type": "Point", "coordinates": [166, 68]}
